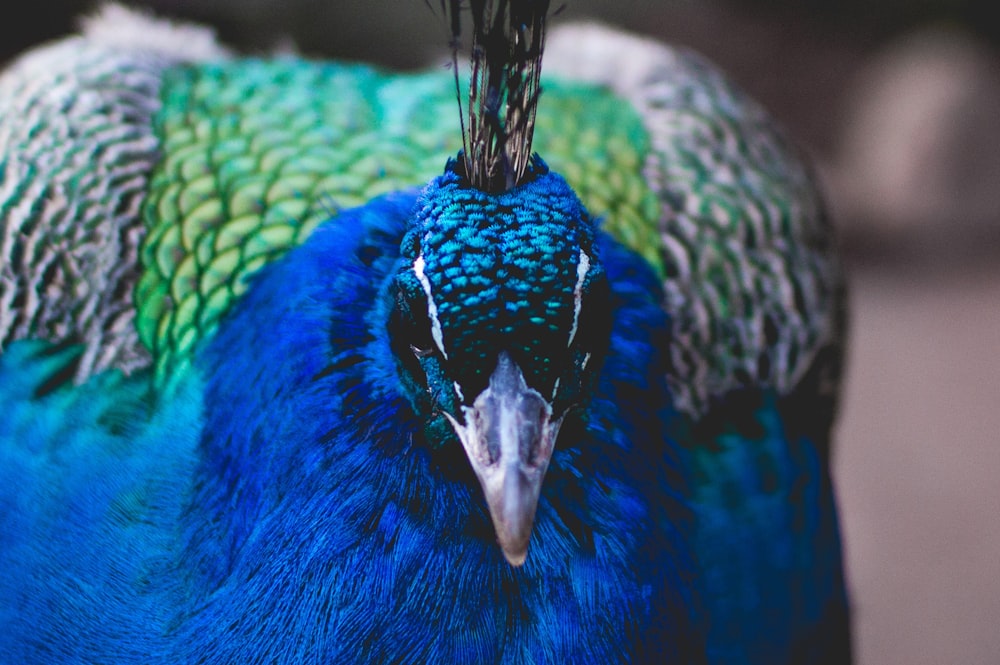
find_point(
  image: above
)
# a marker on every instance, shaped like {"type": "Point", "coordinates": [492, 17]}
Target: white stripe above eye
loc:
{"type": "Point", "coordinates": [432, 312]}
{"type": "Point", "coordinates": [582, 267]}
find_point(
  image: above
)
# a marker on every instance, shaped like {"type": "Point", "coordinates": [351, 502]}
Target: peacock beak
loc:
{"type": "Point", "coordinates": [508, 435]}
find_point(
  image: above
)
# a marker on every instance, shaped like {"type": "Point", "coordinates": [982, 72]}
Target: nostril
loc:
{"type": "Point", "coordinates": [531, 412]}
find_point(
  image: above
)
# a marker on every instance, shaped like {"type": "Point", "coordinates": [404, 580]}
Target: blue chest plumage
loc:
{"type": "Point", "coordinates": [342, 503]}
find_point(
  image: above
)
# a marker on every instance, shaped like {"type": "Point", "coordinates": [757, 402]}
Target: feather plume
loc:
{"type": "Point", "coordinates": [506, 64]}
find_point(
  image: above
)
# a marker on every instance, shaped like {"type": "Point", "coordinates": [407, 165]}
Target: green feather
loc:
{"type": "Point", "coordinates": [257, 153]}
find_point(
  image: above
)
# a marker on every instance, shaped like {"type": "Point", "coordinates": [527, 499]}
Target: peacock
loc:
{"type": "Point", "coordinates": [309, 361]}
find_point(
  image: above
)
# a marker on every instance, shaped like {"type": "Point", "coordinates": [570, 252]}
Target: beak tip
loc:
{"type": "Point", "coordinates": [514, 545]}
{"type": "Point", "coordinates": [515, 558]}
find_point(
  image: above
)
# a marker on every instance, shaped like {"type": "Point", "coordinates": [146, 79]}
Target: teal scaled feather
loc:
{"type": "Point", "coordinates": [507, 263]}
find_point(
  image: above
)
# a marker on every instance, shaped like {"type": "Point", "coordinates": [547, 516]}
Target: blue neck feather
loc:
{"type": "Point", "coordinates": [339, 489]}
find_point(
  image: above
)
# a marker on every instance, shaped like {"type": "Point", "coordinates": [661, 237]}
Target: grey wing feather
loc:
{"type": "Point", "coordinates": [77, 145]}
{"type": "Point", "coordinates": [753, 283]}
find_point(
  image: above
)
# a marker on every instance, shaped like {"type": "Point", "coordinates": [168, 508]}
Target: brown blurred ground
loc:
{"type": "Point", "coordinates": [918, 201]}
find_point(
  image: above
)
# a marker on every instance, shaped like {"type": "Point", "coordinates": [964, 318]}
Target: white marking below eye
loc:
{"type": "Point", "coordinates": [582, 267]}
{"type": "Point", "coordinates": [583, 365]}
{"type": "Point", "coordinates": [555, 388]}
{"type": "Point", "coordinates": [432, 310]}
{"type": "Point", "coordinates": [458, 391]}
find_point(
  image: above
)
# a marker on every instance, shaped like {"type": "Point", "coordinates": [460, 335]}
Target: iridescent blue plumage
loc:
{"type": "Point", "coordinates": [94, 482]}
{"type": "Point", "coordinates": [768, 537]}
{"type": "Point", "coordinates": [363, 522]}
{"type": "Point", "coordinates": [331, 532]}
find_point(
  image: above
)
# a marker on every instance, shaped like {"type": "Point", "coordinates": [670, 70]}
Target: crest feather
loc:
{"type": "Point", "coordinates": [508, 39]}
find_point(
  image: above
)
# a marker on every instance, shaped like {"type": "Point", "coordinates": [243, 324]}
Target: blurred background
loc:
{"type": "Point", "coordinates": [898, 101]}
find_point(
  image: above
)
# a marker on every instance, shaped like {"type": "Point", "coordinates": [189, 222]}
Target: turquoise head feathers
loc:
{"type": "Point", "coordinates": [483, 274]}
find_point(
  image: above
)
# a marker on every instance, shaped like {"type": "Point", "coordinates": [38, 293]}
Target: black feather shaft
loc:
{"type": "Point", "coordinates": [506, 55]}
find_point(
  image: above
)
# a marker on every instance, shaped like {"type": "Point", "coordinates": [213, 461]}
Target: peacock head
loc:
{"type": "Point", "coordinates": [499, 323]}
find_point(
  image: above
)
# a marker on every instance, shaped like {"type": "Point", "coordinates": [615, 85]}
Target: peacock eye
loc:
{"type": "Point", "coordinates": [412, 325]}
{"type": "Point", "coordinates": [421, 352]}
{"type": "Point", "coordinates": [409, 326]}
{"type": "Point", "coordinates": [594, 324]}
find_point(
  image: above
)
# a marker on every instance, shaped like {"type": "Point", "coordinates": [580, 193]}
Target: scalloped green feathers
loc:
{"type": "Point", "coordinates": [257, 153]}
